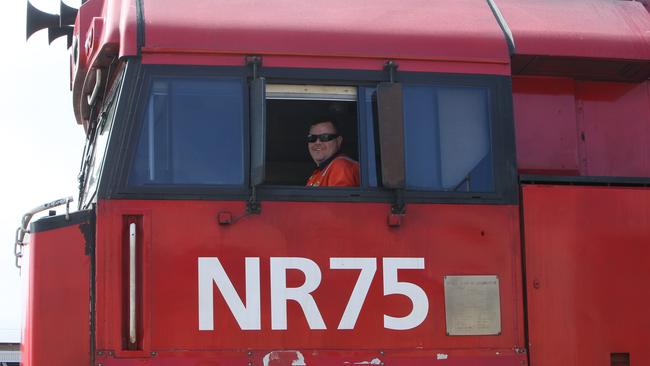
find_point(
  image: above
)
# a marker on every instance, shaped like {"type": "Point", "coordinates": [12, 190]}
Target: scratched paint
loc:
{"type": "Point", "coordinates": [282, 357]}
{"type": "Point", "coordinates": [374, 361]}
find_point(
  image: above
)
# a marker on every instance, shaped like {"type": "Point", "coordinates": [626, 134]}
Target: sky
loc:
{"type": "Point", "coordinates": [40, 141]}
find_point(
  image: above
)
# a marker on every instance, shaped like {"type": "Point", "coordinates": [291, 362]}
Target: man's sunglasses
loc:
{"type": "Point", "coordinates": [323, 137]}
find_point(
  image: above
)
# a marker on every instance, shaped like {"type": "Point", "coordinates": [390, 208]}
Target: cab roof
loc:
{"type": "Point", "coordinates": [612, 29]}
{"type": "Point", "coordinates": [502, 37]}
{"type": "Point", "coordinates": [460, 30]}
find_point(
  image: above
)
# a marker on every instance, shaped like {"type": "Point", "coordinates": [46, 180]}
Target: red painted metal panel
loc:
{"type": "Point", "coordinates": [324, 358]}
{"type": "Point", "coordinates": [614, 123]}
{"type": "Point", "coordinates": [594, 29]}
{"type": "Point", "coordinates": [57, 331]}
{"type": "Point", "coordinates": [462, 36]}
{"type": "Point", "coordinates": [545, 125]}
{"type": "Point", "coordinates": [451, 239]}
{"type": "Point", "coordinates": [588, 268]}
{"type": "Point", "coordinates": [568, 127]}
{"type": "Point", "coordinates": [459, 31]}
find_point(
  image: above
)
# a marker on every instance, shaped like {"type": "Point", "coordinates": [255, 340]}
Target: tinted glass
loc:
{"type": "Point", "coordinates": [192, 133]}
{"type": "Point", "coordinates": [447, 138]}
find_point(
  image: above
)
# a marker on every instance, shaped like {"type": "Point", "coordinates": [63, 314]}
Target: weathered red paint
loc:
{"type": "Point", "coordinates": [589, 29]}
{"type": "Point", "coordinates": [58, 310]}
{"type": "Point", "coordinates": [587, 273]}
{"type": "Point", "coordinates": [453, 239]}
{"type": "Point", "coordinates": [587, 128]}
{"type": "Point", "coordinates": [614, 119]}
{"type": "Point", "coordinates": [545, 125]}
{"type": "Point", "coordinates": [462, 36]}
{"type": "Point", "coordinates": [462, 31]}
{"type": "Point", "coordinates": [472, 357]}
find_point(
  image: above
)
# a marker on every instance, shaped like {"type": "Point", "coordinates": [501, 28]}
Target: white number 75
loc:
{"type": "Point", "coordinates": [392, 286]}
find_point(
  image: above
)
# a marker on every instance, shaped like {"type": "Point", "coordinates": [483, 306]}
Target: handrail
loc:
{"type": "Point", "coordinates": [27, 217]}
{"type": "Point", "coordinates": [132, 284]}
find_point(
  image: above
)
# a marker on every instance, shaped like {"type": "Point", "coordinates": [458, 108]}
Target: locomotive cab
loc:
{"type": "Point", "coordinates": [197, 241]}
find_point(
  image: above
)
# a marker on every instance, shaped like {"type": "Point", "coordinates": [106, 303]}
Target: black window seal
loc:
{"type": "Point", "coordinates": [139, 76]}
{"type": "Point", "coordinates": [602, 181]}
{"type": "Point", "coordinates": [301, 194]}
{"type": "Point", "coordinates": [116, 160]}
{"type": "Point", "coordinates": [105, 118]}
{"type": "Point", "coordinates": [140, 79]}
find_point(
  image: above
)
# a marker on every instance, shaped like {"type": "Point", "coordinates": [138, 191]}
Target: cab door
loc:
{"type": "Point", "coordinates": [586, 261]}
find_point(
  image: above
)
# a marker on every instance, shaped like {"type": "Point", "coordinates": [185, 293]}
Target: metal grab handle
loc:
{"type": "Point", "coordinates": [98, 83]}
{"type": "Point", "coordinates": [132, 283]}
{"type": "Point", "coordinates": [22, 230]}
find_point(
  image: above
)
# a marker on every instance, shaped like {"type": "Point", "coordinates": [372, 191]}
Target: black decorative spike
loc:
{"type": "Point", "coordinates": [67, 15]}
{"type": "Point", "coordinates": [56, 32]}
{"type": "Point", "coordinates": [37, 20]}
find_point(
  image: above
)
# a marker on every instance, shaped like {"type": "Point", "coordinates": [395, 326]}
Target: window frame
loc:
{"type": "Point", "coordinates": [138, 82]}
{"type": "Point", "coordinates": [178, 122]}
{"type": "Point", "coordinates": [94, 159]}
{"type": "Point", "coordinates": [138, 78]}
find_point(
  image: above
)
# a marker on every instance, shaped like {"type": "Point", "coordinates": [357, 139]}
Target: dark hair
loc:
{"type": "Point", "coordinates": [332, 121]}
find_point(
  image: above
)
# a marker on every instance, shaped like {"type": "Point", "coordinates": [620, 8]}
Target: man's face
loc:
{"type": "Point", "coordinates": [319, 150]}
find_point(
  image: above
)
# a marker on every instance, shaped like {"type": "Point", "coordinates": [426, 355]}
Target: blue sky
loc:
{"type": "Point", "coordinates": [40, 142]}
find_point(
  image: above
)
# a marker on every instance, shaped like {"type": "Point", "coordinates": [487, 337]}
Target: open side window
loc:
{"type": "Point", "coordinates": [290, 110]}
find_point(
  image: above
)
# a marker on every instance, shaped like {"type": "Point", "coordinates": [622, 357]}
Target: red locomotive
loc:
{"type": "Point", "coordinates": [502, 215]}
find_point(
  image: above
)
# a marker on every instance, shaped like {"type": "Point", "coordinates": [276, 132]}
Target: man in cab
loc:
{"type": "Point", "coordinates": [333, 169]}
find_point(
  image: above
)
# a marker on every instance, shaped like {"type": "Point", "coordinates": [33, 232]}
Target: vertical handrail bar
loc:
{"type": "Point", "coordinates": [132, 284]}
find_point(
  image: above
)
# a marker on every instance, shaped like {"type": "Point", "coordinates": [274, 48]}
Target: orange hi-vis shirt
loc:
{"type": "Point", "coordinates": [340, 172]}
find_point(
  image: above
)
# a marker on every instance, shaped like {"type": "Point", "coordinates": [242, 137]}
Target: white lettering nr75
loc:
{"type": "Point", "coordinates": [248, 316]}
